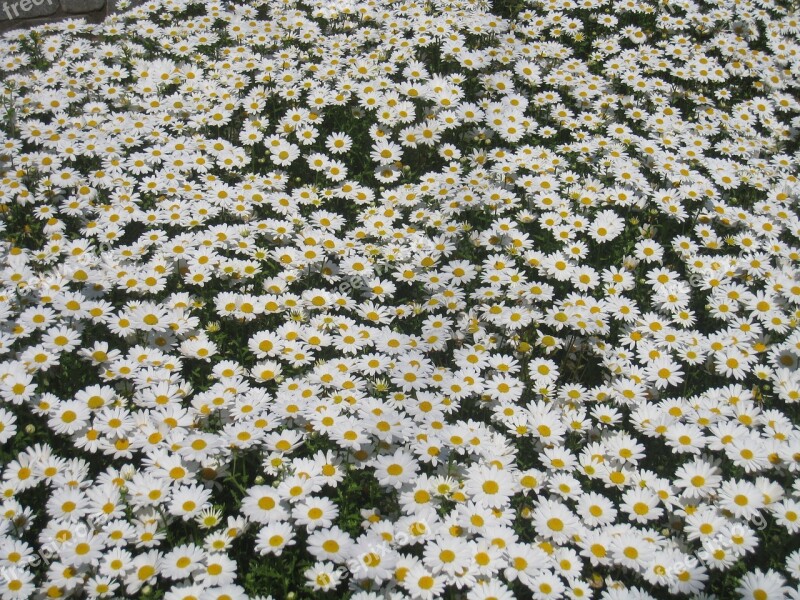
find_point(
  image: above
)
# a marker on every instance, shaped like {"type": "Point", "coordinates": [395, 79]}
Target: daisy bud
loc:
{"type": "Point", "coordinates": [259, 480]}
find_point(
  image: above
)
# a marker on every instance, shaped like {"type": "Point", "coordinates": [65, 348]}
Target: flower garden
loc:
{"type": "Point", "coordinates": [402, 299]}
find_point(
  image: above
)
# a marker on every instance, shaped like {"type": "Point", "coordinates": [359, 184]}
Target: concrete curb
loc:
{"type": "Point", "coordinates": [23, 14]}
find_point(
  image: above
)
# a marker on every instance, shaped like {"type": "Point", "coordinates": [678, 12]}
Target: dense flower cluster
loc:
{"type": "Point", "coordinates": [405, 297]}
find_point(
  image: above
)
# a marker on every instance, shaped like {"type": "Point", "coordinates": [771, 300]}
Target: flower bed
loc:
{"type": "Point", "coordinates": [402, 299]}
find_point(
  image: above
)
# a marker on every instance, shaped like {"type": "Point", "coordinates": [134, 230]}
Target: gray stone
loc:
{"type": "Point", "coordinates": [14, 10]}
{"type": "Point", "coordinates": [81, 6]}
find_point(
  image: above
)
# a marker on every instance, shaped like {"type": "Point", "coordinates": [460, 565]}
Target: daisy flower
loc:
{"type": "Point", "coordinates": [262, 504]}
{"type": "Point", "coordinates": [323, 576]}
{"type": "Point", "coordinates": [182, 561]}
{"type": "Point", "coordinates": [757, 584]}
{"type": "Point", "coordinates": [698, 478]}
{"type": "Point", "coordinates": [422, 583]}
{"type": "Point", "coordinates": [330, 544]}
{"type": "Point", "coordinates": [741, 498]}
{"type": "Point", "coordinates": [395, 470]}
{"type": "Point", "coordinates": [216, 569]}
{"type": "Point", "coordinates": [446, 556]}
{"type": "Point", "coordinates": [596, 509]}
{"type": "Point", "coordinates": [273, 538]}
